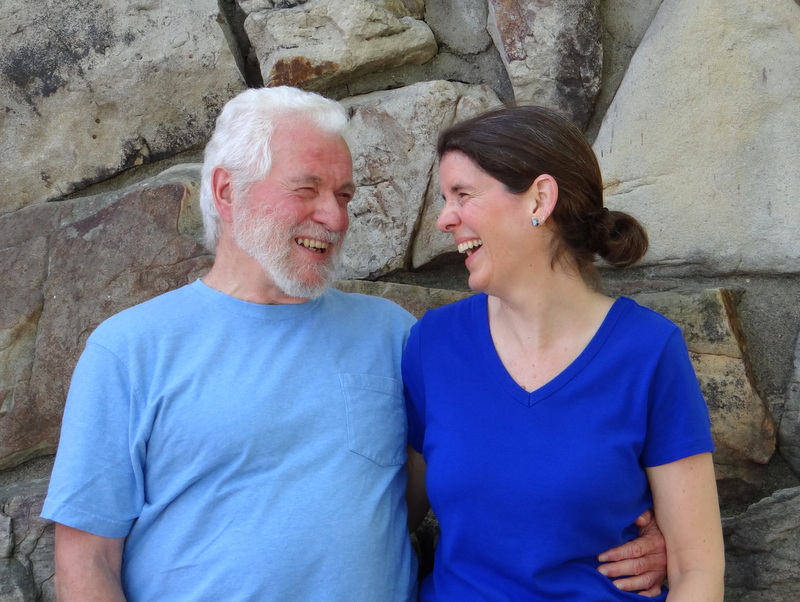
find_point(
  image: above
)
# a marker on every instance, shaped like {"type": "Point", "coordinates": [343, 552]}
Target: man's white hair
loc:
{"type": "Point", "coordinates": [241, 142]}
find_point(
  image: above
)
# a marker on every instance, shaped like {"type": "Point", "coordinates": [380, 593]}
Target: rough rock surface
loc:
{"type": "Point", "coordinates": [92, 88]}
{"type": "Point", "coordinates": [318, 45]}
{"type": "Point", "coordinates": [459, 25]}
{"type": "Point", "coordinates": [393, 137]}
{"type": "Point", "coordinates": [700, 142]}
{"type": "Point", "coordinates": [743, 429]}
{"type": "Point", "coordinates": [107, 253]}
{"type": "Point", "coordinates": [552, 51]}
{"type": "Point", "coordinates": [790, 422]}
{"type": "Point", "coordinates": [26, 544]}
{"type": "Point", "coordinates": [763, 550]}
{"type": "Point", "coordinates": [625, 23]}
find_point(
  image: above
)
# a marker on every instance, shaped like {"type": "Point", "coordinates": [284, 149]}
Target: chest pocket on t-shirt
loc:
{"type": "Point", "coordinates": [376, 417]}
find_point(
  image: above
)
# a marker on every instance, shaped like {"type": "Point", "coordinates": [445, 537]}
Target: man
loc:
{"type": "Point", "coordinates": [243, 437]}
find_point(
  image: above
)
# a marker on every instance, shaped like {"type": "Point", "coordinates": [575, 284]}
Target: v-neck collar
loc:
{"type": "Point", "coordinates": [509, 385]}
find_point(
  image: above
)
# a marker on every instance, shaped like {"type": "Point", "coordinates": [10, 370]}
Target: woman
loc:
{"type": "Point", "coordinates": [549, 415]}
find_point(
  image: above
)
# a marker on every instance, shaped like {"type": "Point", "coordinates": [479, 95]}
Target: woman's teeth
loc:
{"type": "Point", "coordinates": [469, 246]}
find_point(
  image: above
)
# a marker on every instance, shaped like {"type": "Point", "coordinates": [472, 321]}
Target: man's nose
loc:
{"type": "Point", "coordinates": [331, 213]}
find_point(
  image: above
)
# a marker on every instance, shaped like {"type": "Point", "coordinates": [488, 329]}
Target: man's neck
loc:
{"type": "Point", "coordinates": [237, 274]}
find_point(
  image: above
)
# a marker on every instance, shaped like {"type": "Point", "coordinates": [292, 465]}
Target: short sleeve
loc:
{"type": "Point", "coordinates": [413, 382]}
{"type": "Point", "coordinates": [96, 484]}
{"type": "Point", "coordinates": [678, 421]}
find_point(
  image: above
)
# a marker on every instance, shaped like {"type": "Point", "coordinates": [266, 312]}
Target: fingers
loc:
{"type": "Point", "coordinates": [651, 543]}
{"type": "Point", "coordinates": [627, 551]}
{"type": "Point", "coordinates": [644, 519]}
{"type": "Point", "coordinates": [655, 564]}
{"type": "Point", "coordinates": [648, 572]}
{"type": "Point", "coordinates": [636, 584]}
{"type": "Point", "coordinates": [641, 563]}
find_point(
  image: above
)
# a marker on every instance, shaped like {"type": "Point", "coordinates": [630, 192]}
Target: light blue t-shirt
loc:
{"type": "Point", "coordinates": [245, 451]}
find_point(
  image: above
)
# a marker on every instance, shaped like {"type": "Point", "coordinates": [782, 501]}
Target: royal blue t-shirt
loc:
{"type": "Point", "coordinates": [530, 487]}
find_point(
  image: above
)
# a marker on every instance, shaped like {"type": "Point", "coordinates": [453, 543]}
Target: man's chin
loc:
{"type": "Point", "coordinates": [310, 288]}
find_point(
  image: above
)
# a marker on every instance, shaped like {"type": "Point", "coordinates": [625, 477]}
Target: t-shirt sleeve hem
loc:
{"type": "Point", "coordinates": [85, 521]}
{"type": "Point", "coordinates": [678, 452]}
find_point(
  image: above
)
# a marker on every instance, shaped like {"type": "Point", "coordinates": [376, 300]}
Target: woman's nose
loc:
{"type": "Point", "coordinates": [448, 218]}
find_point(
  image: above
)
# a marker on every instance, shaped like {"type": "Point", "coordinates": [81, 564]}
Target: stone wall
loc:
{"type": "Point", "coordinates": [693, 107]}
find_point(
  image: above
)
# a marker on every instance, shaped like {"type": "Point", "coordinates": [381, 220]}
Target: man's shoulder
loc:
{"type": "Point", "coordinates": [369, 305]}
{"type": "Point", "coordinates": [155, 313]}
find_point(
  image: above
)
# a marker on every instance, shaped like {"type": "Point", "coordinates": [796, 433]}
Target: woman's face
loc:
{"type": "Point", "coordinates": [489, 224]}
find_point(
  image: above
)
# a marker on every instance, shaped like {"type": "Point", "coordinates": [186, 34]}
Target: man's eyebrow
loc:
{"type": "Point", "coordinates": [349, 186]}
{"type": "Point", "coordinates": [309, 179]}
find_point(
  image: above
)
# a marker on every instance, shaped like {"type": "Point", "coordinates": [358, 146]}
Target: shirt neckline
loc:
{"type": "Point", "coordinates": [259, 311]}
{"type": "Point", "coordinates": [509, 385]}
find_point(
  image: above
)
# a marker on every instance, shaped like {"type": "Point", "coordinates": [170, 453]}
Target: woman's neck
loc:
{"type": "Point", "coordinates": [539, 330]}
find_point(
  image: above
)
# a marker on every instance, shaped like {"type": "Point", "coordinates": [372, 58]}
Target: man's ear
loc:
{"type": "Point", "coordinates": [542, 196]}
{"type": "Point", "coordinates": [222, 191]}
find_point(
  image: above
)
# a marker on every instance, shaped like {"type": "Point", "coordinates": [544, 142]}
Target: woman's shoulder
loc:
{"type": "Point", "coordinates": [641, 322]}
{"type": "Point", "coordinates": [463, 309]}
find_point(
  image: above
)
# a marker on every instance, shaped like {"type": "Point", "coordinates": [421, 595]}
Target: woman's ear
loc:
{"type": "Point", "coordinates": [222, 191]}
{"type": "Point", "coordinates": [542, 196]}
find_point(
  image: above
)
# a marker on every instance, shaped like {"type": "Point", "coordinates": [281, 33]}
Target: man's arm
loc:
{"type": "Point", "coordinates": [87, 566]}
{"type": "Point", "coordinates": [416, 493]}
{"type": "Point", "coordinates": [645, 558]}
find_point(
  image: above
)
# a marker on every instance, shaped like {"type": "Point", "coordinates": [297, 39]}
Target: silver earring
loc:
{"type": "Point", "coordinates": [535, 221]}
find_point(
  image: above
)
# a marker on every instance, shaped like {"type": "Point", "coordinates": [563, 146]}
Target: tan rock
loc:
{"type": "Point", "coordinates": [90, 89]}
{"type": "Point", "coordinates": [319, 45]}
{"type": "Point", "coordinates": [743, 428]}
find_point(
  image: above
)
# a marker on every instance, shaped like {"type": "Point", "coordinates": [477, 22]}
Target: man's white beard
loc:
{"type": "Point", "coordinates": [267, 237]}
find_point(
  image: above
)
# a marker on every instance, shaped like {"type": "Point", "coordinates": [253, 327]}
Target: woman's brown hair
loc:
{"type": "Point", "coordinates": [516, 145]}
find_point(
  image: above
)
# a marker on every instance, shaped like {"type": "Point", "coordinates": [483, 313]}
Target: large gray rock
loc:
{"type": "Point", "coordinates": [789, 437]}
{"type": "Point", "coordinates": [318, 44]}
{"type": "Point", "coordinates": [552, 51]}
{"type": "Point", "coordinates": [624, 24]}
{"type": "Point", "coordinates": [701, 141]}
{"type": "Point", "coordinates": [393, 136]}
{"type": "Point", "coordinates": [26, 565]}
{"type": "Point", "coordinates": [762, 550]}
{"type": "Point", "coordinates": [459, 25]}
{"type": "Point", "coordinates": [94, 87]}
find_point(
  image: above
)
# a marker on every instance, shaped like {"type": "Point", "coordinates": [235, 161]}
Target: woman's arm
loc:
{"type": "Point", "coordinates": [686, 503]}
